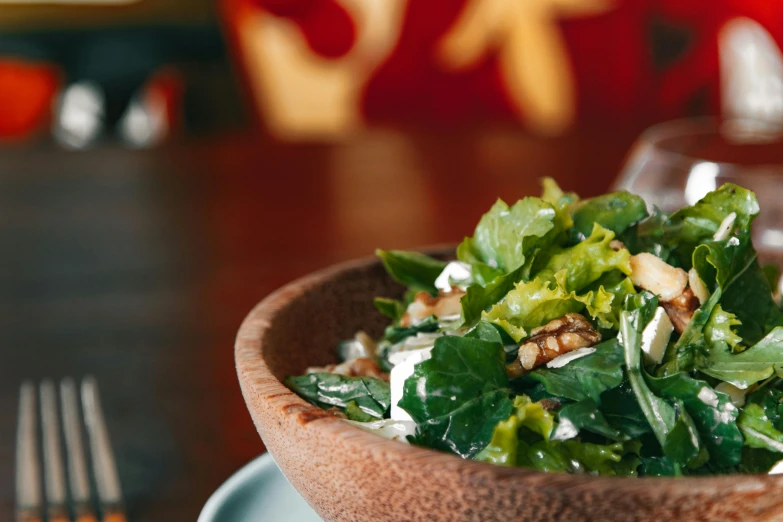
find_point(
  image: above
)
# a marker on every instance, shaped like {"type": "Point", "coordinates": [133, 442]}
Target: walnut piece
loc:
{"type": "Point", "coordinates": [443, 306]}
{"type": "Point", "coordinates": [359, 367]}
{"type": "Point", "coordinates": [680, 309]}
{"type": "Point", "coordinates": [556, 338]}
{"type": "Point", "coordinates": [550, 404]}
{"type": "Point", "coordinates": [616, 245]}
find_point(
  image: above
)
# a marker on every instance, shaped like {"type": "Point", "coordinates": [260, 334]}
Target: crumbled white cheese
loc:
{"type": "Point", "coordinates": [708, 397]}
{"type": "Point", "coordinates": [562, 360]}
{"type": "Point", "coordinates": [415, 342]}
{"type": "Point", "coordinates": [725, 227]}
{"type": "Point", "coordinates": [449, 319]}
{"type": "Point", "coordinates": [777, 469]}
{"type": "Point", "coordinates": [361, 345]}
{"type": "Point", "coordinates": [565, 430]}
{"type": "Point", "coordinates": [388, 428]}
{"type": "Point", "coordinates": [736, 395]}
{"type": "Point", "coordinates": [698, 287]}
{"type": "Point", "coordinates": [401, 371]}
{"type": "Point", "coordinates": [457, 272]}
{"type": "Point", "coordinates": [655, 337]}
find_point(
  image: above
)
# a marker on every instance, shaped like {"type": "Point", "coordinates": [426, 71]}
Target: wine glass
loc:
{"type": "Point", "coordinates": [676, 163]}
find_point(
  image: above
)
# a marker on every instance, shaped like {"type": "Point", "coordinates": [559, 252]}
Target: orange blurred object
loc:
{"type": "Point", "coordinates": [26, 93]}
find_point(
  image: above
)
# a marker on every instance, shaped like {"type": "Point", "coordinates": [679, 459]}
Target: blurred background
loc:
{"type": "Point", "coordinates": [143, 71]}
{"type": "Point", "coordinates": [165, 164]}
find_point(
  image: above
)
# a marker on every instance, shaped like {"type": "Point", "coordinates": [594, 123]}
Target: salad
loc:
{"type": "Point", "coordinates": [582, 336]}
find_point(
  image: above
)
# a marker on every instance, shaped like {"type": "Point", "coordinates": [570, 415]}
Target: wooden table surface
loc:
{"type": "Point", "coordinates": [138, 267]}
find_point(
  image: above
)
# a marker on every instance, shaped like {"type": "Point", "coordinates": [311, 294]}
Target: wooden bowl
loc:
{"type": "Point", "coordinates": [347, 474]}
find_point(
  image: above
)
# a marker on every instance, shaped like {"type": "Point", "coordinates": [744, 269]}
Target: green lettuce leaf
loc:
{"type": "Point", "coordinates": [731, 266]}
{"type": "Point", "coordinates": [584, 378]}
{"type": "Point", "coordinates": [750, 298]}
{"type": "Point", "coordinates": [533, 416]}
{"type": "Point", "coordinates": [391, 308]}
{"type": "Point", "coordinates": [535, 303]}
{"type": "Point", "coordinates": [622, 412]}
{"type": "Point", "coordinates": [618, 286]}
{"type": "Point", "coordinates": [673, 238]}
{"type": "Point", "coordinates": [719, 263]}
{"type": "Point", "coordinates": [649, 236]}
{"type": "Point", "coordinates": [523, 440]}
{"type": "Point", "coordinates": [695, 224]}
{"type": "Point", "coordinates": [670, 422]}
{"type": "Point", "coordinates": [532, 304]}
{"type": "Point", "coordinates": [600, 306]}
{"type": "Point", "coordinates": [681, 356]}
{"type": "Point", "coordinates": [764, 420]}
{"type": "Point", "coordinates": [658, 467]}
{"type": "Point", "coordinates": [395, 334]}
{"type": "Point", "coordinates": [458, 396]}
{"type": "Point", "coordinates": [583, 415]}
{"type": "Point", "coordinates": [757, 460]}
{"type": "Point", "coordinates": [573, 456]}
{"type": "Point", "coordinates": [355, 413]}
{"type": "Point", "coordinates": [616, 211]}
{"type": "Point", "coordinates": [486, 332]}
{"type": "Point", "coordinates": [506, 236]}
{"type": "Point", "coordinates": [482, 273]}
{"type": "Point", "coordinates": [618, 459]}
{"type": "Point", "coordinates": [553, 194]}
{"type": "Point", "coordinates": [502, 449]}
{"type": "Point", "coordinates": [719, 330]}
{"type": "Point", "coordinates": [412, 269]}
{"type": "Point", "coordinates": [712, 412]}
{"type": "Point", "coordinates": [771, 399]}
{"type": "Point", "coordinates": [758, 430]}
{"type": "Point", "coordinates": [755, 364]}
{"type": "Point", "coordinates": [370, 395]}
{"type": "Point", "coordinates": [478, 298]}
{"type": "Point", "coordinates": [586, 262]}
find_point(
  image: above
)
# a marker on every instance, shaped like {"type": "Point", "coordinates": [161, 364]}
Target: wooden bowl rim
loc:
{"type": "Point", "coordinates": [256, 379]}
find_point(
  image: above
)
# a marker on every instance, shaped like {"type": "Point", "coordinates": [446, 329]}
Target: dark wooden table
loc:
{"type": "Point", "coordinates": [138, 267]}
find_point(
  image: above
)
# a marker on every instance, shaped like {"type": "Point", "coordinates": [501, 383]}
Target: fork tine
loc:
{"type": "Point", "coordinates": [104, 466]}
{"type": "Point", "coordinates": [54, 471]}
{"type": "Point", "coordinates": [77, 459]}
{"type": "Point", "coordinates": [28, 475]}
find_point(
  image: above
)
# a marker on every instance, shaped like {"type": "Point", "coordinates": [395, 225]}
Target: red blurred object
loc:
{"type": "Point", "coordinates": [327, 27]}
{"type": "Point", "coordinates": [167, 87]}
{"type": "Point", "coordinates": [412, 85]}
{"type": "Point", "coordinates": [26, 94]}
{"type": "Point", "coordinates": [627, 62]}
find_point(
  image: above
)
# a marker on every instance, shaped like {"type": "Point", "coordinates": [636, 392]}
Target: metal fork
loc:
{"type": "Point", "coordinates": [30, 492]}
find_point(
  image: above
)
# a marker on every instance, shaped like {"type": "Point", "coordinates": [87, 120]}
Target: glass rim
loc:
{"type": "Point", "coordinates": [764, 131]}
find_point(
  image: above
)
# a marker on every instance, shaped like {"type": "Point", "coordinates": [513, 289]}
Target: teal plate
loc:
{"type": "Point", "coordinates": [259, 492]}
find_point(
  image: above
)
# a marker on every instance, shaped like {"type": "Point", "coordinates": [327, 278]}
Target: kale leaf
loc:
{"type": "Point", "coordinates": [370, 395]}
{"type": "Point", "coordinates": [415, 270]}
{"type": "Point", "coordinates": [587, 377]}
{"type": "Point", "coordinates": [458, 395]}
